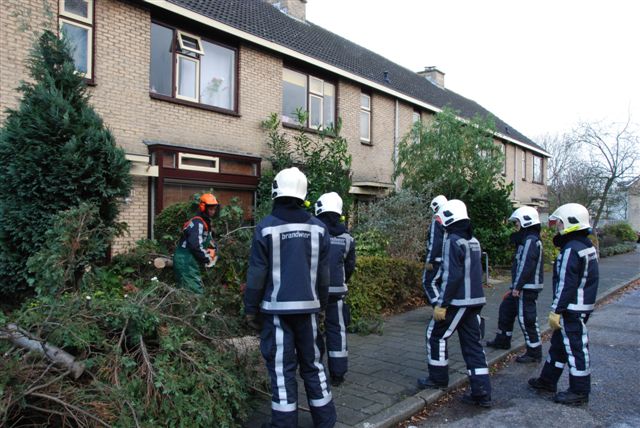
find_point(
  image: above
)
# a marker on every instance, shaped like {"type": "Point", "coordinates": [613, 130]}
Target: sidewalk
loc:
{"type": "Point", "coordinates": [380, 388]}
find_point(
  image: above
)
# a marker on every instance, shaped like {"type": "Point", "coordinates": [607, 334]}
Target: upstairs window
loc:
{"type": "Point", "coordinates": [308, 93]}
{"type": "Point", "coordinates": [537, 169]}
{"type": "Point", "coordinates": [75, 22]}
{"type": "Point", "coordinates": [190, 68]}
{"type": "Point", "coordinates": [524, 165]}
{"type": "Point", "coordinates": [365, 118]}
{"type": "Point", "coordinates": [503, 150]}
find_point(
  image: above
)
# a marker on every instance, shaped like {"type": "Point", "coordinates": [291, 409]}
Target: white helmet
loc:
{"type": "Point", "coordinates": [329, 202]}
{"type": "Point", "coordinates": [527, 216]}
{"type": "Point", "coordinates": [573, 217]}
{"type": "Point", "coordinates": [452, 211]}
{"type": "Point", "coordinates": [289, 182]}
{"type": "Point", "coordinates": [437, 203]}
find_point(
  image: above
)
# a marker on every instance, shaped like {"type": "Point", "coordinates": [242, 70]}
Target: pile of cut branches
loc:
{"type": "Point", "coordinates": [153, 356]}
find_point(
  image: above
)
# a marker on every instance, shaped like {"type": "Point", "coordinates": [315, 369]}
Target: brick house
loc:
{"type": "Point", "coordinates": [185, 84]}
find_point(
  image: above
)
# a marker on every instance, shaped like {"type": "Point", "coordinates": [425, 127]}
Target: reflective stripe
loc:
{"type": "Point", "coordinates": [438, 362]}
{"type": "Point", "coordinates": [579, 307]}
{"type": "Point", "coordinates": [321, 401]}
{"type": "Point", "coordinates": [533, 286]}
{"type": "Point", "coordinates": [558, 364]}
{"type": "Point", "coordinates": [521, 321]}
{"type": "Point", "coordinates": [587, 251]}
{"type": "Point", "coordinates": [576, 372]}
{"type": "Point", "coordinates": [445, 269]}
{"type": "Point", "coordinates": [508, 333]}
{"type": "Point", "coordinates": [467, 268]}
{"type": "Point", "coordinates": [339, 354]}
{"type": "Point", "coordinates": [442, 343]}
{"type": "Point", "coordinates": [468, 302]}
{"type": "Point", "coordinates": [563, 271]}
{"type": "Point", "coordinates": [437, 259]}
{"type": "Point", "coordinates": [534, 345]}
{"type": "Point", "coordinates": [343, 329]}
{"type": "Point", "coordinates": [521, 261]}
{"type": "Point", "coordinates": [480, 371]}
{"type": "Point", "coordinates": [539, 269]}
{"type": "Point", "coordinates": [337, 290]}
{"type": "Point", "coordinates": [284, 407]}
{"type": "Point", "coordinates": [304, 304]}
{"type": "Point", "coordinates": [279, 367]}
{"type": "Point", "coordinates": [315, 259]}
{"type": "Point", "coordinates": [326, 394]}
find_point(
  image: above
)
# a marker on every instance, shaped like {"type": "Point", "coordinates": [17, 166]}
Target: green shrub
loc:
{"type": "Point", "coordinates": [622, 231]}
{"type": "Point", "coordinates": [550, 251]}
{"type": "Point", "coordinates": [371, 242]}
{"type": "Point", "coordinates": [625, 247]}
{"type": "Point", "coordinates": [167, 227]}
{"type": "Point", "coordinates": [382, 285]}
{"type": "Point", "coordinates": [56, 153]}
{"type": "Point", "coordinates": [402, 220]}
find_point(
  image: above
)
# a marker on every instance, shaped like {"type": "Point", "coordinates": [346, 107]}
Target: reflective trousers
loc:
{"type": "Point", "coordinates": [570, 345]}
{"type": "Point", "coordinates": [466, 320]}
{"type": "Point", "coordinates": [524, 309]}
{"type": "Point", "coordinates": [286, 342]}
{"type": "Point", "coordinates": [336, 322]}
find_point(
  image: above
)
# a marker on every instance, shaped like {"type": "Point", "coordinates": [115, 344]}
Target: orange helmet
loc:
{"type": "Point", "coordinates": [207, 199]}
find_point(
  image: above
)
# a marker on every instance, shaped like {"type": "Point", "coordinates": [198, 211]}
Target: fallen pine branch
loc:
{"type": "Point", "coordinates": [21, 338]}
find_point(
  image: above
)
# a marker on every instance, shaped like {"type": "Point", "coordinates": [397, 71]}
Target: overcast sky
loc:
{"type": "Point", "coordinates": [541, 66]}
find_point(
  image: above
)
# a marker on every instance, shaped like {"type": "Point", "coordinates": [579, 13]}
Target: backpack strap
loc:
{"type": "Point", "coordinates": [206, 226]}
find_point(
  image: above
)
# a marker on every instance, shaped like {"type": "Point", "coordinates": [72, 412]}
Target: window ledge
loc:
{"type": "Point", "coordinates": [303, 128]}
{"type": "Point", "coordinates": [366, 143]}
{"type": "Point", "coordinates": [192, 104]}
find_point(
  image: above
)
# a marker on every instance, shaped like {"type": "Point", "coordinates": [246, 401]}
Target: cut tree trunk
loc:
{"type": "Point", "coordinates": [21, 338]}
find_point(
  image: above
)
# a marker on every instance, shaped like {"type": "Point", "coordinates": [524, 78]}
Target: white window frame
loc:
{"type": "Point", "coordinates": [61, 21]}
{"type": "Point", "coordinates": [367, 111]}
{"type": "Point", "coordinates": [317, 95]}
{"type": "Point", "coordinates": [523, 163]}
{"type": "Point", "coordinates": [197, 80]}
{"type": "Point", "coordinates": [503, 150]}
{"type": "Point", "coordinates": [539, 170]}
{"type": "Point", "coordinates": [181, 34]}
{"type": "Point", "coordinates": [213, 159]}
{"type": "Point", "coordinates": [87, 20]}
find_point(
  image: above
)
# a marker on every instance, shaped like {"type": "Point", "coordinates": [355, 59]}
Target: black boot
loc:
{"type": "Point", "coordinates": [426, 382]}
{"type": "Point", "coordinates": [571, 398]}
{"type": "Point", "coordinates": [542, 385]}
{"type": "Point", "coordinates": [337, 380]}
{"type": "Point", "coordinates": [533, 355]}
{"type": "Point", "coordinates": [500, 342]}
{"type": "Point", "coordinates": [482, 401]}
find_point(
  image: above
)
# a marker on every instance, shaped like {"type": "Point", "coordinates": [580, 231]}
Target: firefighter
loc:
{"type": "Point", "coordinates": [458, 308]}
{"type": "Point", "coordinates": [328, 209]}
{"type": "Point", "coordinates": [431, 277]}
{"type": "Point", "coordinates": [196, 246]}
{"type": "Point", "coordinates": [575, 286]}
{"type": "Point", "coordinates": [527, 280]}
{"type": "Point", "coordinates": [287, 286]}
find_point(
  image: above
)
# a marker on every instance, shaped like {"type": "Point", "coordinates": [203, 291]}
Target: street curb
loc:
{"type": "Point", "coordinates": [411, 405]}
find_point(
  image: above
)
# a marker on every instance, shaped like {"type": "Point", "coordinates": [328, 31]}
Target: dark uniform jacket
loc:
{"type": "Point", "coordinates": [461, 268]}
{"type": "Point", "coordinates": [289, 264]}
{"type": "Point", "coordinates": [342, 254]}
{"type": "Point", "coordinates": [527, 269]}
{"type": "Point", "coordinates": [434, 246]}
{"type": "Point", "coordinates": [575, 274]}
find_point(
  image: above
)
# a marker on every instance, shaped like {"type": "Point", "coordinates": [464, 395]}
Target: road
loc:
{"type": "Point", "coordinates": [614, 330]}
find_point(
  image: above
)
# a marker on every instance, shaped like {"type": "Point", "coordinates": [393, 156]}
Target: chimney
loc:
{"type": "Point", "coordinates": [433, 75]}
{"type": "Point", "coordinates": [294, 8]}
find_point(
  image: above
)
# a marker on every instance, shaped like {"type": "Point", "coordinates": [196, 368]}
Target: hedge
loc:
{"type": "Point", "coordinates": [380, 285]}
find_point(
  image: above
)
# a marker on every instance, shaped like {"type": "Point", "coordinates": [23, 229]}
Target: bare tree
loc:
{"type": "Point", "coordinates": [613, 156]}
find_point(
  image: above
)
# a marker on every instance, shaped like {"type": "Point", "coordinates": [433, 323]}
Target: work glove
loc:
{"type": "Point", "coordinates": [554, 321]}
{"type": "Point", "coordinates": [253, 322]}
{"type": "Point", "coordinates": [439, 313]}
{"type": "Point", "coordinates": [429, 266]}
{"type": "Point", "coordinates": [515, 292]}
{"type": "Point", "coordinates": [213, 256]}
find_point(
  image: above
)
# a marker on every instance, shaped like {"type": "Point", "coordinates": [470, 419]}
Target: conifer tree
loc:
{"type": "Point", "coordinates": [55, 153]}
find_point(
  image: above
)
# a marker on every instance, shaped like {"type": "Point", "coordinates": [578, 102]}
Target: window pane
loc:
{"type": "Point", "coordinates": [187, 72]}
{"type": "Point", "coordinates": [315, 85]}
{"type": "Point", "coordinates": [329, 111]}
{"type": "Point", "coordinates": [416, 117]}
{"type": "Point", "coordinates": [537, 169]}
{"type": "Point", "coordinates": [78, 38]}
{"type": "Point", "coordinates": [365, 101]}
{"type": "Point", "coordinates": [161, 60]}
{"type": "Point", "coordinates": [315, 111]}
{"type": "Point", "coordinates": [77, 7]}
{"type": "Point", "coordinates": [294, 94]}
{"type": "Point", "coordinates": [217, 76]}
{"type": "Point", "coordinates": [364, 126]}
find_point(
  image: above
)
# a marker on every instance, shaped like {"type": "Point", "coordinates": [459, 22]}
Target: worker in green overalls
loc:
{"type": "Point", "coordinates": [196, 246]}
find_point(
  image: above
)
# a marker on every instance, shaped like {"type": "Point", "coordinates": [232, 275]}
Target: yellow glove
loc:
{"type": "Point", "coordinates": [439, 313]}
{"type": "Point", "coordinates": [554, 321]}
